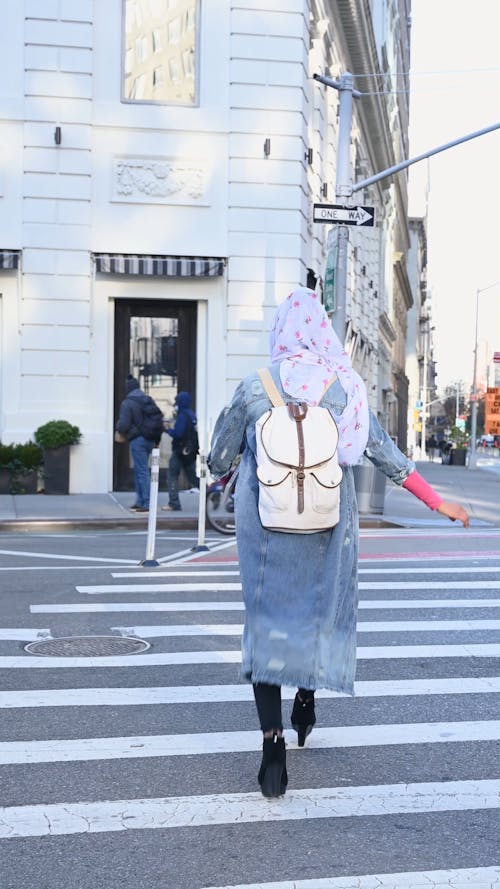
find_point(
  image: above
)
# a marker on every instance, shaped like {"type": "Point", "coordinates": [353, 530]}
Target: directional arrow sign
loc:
{"type": "Point", "coordinates": [343, 215]}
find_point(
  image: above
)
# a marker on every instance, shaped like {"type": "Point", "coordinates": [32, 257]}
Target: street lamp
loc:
{"type": "Point", "coordinates": [473, 416]}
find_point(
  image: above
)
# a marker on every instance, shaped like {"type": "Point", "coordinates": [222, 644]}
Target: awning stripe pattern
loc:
{"type": "Point", "coordinates": [158, 266]}
{"type": "Point", "coordinates": [9, 259]}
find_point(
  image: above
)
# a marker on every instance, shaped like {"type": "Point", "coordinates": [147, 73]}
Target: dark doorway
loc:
{"type": "Point", "coordinates": [155, 341]}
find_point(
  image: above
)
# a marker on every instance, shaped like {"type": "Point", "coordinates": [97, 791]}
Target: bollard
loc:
{"type": "Point", "coordinates": [150, 561]}
{"type": "Point", "coordinates": [201, 546]}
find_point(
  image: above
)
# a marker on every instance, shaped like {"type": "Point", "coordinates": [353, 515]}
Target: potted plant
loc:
{"type": "Point", "coordinates": [7, 458]}
{"type": "Point", "coordinates": [19, 465]}
{"type": "Point", "coordinates": [56, 437]}
{"type": "Point", "coordinates": [29, 458]}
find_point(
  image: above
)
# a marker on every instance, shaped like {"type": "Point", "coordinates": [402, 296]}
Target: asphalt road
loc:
{"type": "Point", "coordinates": [140, 770]}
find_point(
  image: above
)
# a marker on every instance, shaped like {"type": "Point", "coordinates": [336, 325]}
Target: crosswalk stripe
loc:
{"type": "Point", "coordinates": [158, 588]}
{"type": "Point", "coordinates": [176, 658]}
{"type": "Point", "coordinates": [242, 808]}
{"type": "Point", "coordinates": [233, 587]}
{"type": "Point", "coordinates": [23, 634]}
{"type": "Point", "coordinates": [367, 626]}
{"type": "Point", "coordinates": [77, 558]}
{"type": "Point", "coordinates": [204, 743]}
{"type": "Point", "coordinates": [463, 878]}
{"type": "Point", "coordinates": [205, 694]}
{"type": "Point", "coordinates": [237, 605]}
{"type": "Point", "coordinates": [207, 572]}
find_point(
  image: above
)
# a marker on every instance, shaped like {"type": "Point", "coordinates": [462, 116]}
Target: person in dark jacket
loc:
{"type": "Point", "coordinates": [129, 426]}
{"type": "Point", "coordinates": [183, 455]}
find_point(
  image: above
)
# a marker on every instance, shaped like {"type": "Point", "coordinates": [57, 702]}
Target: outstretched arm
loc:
{"type": "Point", "coordinates": [417, 486]}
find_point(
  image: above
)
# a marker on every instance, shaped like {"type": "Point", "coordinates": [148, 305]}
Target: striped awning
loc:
{"type": "Point", "coordinates": [9, 259]}
{"type": "Point", "coordinates": [158, 266]}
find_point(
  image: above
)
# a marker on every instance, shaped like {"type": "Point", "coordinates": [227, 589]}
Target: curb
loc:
{"type": "Point", "coordinates": [189, 523]}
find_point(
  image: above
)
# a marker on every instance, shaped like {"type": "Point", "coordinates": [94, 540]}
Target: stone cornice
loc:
{"type": "Point", "coordinates": [386, 329]}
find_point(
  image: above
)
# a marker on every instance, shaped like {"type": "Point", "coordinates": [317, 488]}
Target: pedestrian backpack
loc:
{"type": "Point", "coordinates": [152, 420]}
{"type": "Point", "coordinates": [297, 465]}
{"type": "Point", "coordinates": [188, 444]}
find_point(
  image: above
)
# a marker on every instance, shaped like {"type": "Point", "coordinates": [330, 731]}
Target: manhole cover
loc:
{"type": "Point", "coordinates": [87, 646]}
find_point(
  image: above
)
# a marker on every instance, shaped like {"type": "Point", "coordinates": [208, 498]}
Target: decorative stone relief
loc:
{"type": "Point", "coordinates": [159, 181]}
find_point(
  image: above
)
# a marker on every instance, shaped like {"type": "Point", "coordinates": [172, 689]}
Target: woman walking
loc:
{"type": "Point", "coordinates": [300, 590]}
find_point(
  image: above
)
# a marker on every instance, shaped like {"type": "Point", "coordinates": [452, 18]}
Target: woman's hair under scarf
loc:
{"type": "Point", "coordinates": [310, 354]}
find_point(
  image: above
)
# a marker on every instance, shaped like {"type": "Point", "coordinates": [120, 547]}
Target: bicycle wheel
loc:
{"type": "Point", "coordinates": [217, 517]}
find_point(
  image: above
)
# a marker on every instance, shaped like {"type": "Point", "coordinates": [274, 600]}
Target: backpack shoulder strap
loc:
{"type": "Point", "coordinates": [270, 387]}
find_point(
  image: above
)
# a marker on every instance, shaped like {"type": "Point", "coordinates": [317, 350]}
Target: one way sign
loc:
{"type": "Point", "coordinates": [343, 215]}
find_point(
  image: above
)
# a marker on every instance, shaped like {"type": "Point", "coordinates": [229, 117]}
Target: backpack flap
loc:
{"type": "Point", "coordinates": [280, 441]}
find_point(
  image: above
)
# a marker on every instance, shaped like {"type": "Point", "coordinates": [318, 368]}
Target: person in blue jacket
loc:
{"type": "Point", "coordinates": [184, 450]}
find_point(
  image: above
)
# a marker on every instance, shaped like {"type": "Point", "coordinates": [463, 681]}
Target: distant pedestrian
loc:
{"type": "Point", "coordinates": [184, 436]}
{"type": "Point", "coordinates": [140, 422]}
{"type": "Point", "coordinates": [431, 448]}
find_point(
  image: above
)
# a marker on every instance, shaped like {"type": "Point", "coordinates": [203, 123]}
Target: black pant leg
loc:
{"type": "Point", "coordinates": [268, 702]}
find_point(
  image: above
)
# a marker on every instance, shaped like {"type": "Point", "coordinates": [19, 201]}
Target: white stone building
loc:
{"type": "Point", "coordinates": [159, 163]}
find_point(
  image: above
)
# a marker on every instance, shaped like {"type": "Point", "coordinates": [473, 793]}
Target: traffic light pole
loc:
{"type": "Point", "coordinates": [344, 188]}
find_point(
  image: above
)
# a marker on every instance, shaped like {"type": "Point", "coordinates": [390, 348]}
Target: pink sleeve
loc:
{"type": "Point", "coordinates": [418, 486]}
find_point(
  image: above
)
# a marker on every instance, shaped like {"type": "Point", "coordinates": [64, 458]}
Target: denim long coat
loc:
{"type": "Point", "coordinates": [300, 590]}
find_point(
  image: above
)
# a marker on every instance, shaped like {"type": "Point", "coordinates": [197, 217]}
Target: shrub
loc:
{"type": "Point", "coordinates": [29, 455]}
{"type": "Point", "coordinates": [57, 433]}
{"type": "Point", "coordinates": [7, 456]}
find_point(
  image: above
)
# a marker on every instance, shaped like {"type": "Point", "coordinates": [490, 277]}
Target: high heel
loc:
{"type": "Point", "coordinates": [303, 717]}
{"type": "Point", "coordinates": [272, 775]}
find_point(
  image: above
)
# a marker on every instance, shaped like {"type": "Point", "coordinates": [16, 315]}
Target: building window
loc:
{"type": "Point", "coordinates": [160, 51]}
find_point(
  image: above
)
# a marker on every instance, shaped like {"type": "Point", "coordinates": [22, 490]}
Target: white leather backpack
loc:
{"type": "Point", "coordinates": [297, 465]}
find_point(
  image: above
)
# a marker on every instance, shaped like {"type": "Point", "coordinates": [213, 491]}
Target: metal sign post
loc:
{"type": "Point", "coordinates": [150, 561]}
{"type": "Point", "coordinates": [201, 545]}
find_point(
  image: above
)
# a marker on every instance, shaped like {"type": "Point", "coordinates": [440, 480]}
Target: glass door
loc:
{"type": "Point", "coordinates": [156, 343]}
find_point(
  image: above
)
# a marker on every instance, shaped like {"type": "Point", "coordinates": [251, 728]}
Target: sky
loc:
{"type": "Point", "coordinates": [455, 90]}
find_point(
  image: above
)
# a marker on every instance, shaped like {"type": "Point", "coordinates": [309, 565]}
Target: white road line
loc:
{"type": "Point", "coordinates": [207, 694]}
{"type": "Point", "coordinates": [237, 605]}
{"type": "Point", "coordinates": [390, 652]}
{"type": "Point", "coordinates": [23, 554]}
{"type": "Point", "coordinates": [103, 607]}
{"type": "Point", "coordinates": [159, 588]}
{"type": "Point", "coordinates": [243, 808]}
{"type": "Point", "coordinates": [206, 743]}
{"type": "Point", "coordinates": [443, 556]}
{"type": "Point", "coordinates": [431, 585]}
{"type": "Point", "coordinates": [376, 604]}
{"type": "Point", "coordinates": [23, 634]}
{"type": "Point", "coordinates": [367, 626]}
{"type": "Point", "coordinates": [187, 555]}
{"type": "Point", "coordinates": [206, 573]}
{"type": "Point", "coordinates": [465, 878]}
{"type": "Point", "coordinates": [419, 569]}
{"type": "Point", "coordinates": [102, 589]}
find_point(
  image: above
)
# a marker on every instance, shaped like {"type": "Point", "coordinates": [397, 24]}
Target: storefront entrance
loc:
{"type": "Point", "coordinates": [155, 341]}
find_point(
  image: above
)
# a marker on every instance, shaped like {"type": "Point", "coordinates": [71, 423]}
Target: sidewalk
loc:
{"type": "Point", "coordinates": [478, 490]}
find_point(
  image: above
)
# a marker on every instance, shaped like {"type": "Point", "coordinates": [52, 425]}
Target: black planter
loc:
{"type": "Point", "coordinates": [457, 457]}
{"type": "Point", "coordinates": [56, 470]}
{"type": "Point", "coordinates": [26, 483]}
{"type": "Point", "coordinates": [5, 481]}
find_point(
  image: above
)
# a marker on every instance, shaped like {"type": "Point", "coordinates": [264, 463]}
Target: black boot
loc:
{"type": "Point", "coordinates": [303, 716]}
{"type": "Point", "coordinates": [272, 775]}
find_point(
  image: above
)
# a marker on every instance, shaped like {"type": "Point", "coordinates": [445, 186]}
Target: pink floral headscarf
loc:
{"type": "Point", "coordinates": [310, 354]}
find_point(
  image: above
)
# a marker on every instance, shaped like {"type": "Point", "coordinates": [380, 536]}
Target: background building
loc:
{"type": "Point", "coordinates": [160, 161]}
